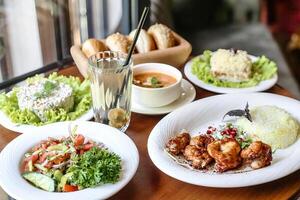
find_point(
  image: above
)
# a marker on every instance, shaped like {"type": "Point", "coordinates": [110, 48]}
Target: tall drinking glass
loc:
{"type": "Point", "coordinates": [111, 84]}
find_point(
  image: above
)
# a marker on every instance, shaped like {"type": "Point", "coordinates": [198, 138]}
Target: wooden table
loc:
{"type": "Point", "coordinates": [151, 183]}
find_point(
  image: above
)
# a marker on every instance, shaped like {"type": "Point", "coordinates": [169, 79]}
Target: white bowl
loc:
{"type": "Point", "coordinates": [12, 182]}
{"type": "Point", "coordinates": [157, 97]}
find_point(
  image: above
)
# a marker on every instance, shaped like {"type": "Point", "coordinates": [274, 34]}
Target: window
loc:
{"type": "Point", "coordinates": [36, 35]}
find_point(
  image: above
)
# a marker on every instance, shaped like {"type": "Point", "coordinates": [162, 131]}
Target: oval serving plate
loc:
{"type": "Point", "coordinates": [113, 139]}
{"type": "Point", "coordinates": [197, 116]}
{"type": "Point", "coordinates": [262, 86]}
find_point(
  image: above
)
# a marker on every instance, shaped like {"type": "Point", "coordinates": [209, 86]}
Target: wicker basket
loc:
{"type": "Point", "coordinates": [175, 56]}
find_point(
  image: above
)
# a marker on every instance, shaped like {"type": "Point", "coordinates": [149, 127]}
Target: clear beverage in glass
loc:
{"type": "Point", "coordinates": [111, 84]}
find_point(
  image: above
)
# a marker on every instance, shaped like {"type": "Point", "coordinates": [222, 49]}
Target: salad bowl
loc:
{"type": "Point", "coordinates": [114, 140]}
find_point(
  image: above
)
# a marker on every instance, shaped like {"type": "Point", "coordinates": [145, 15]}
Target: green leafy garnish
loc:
{"type": "Point", "coordinates": [49, 86]}
{"type": "Point", "coordinates": [155, 83]}
{"type": "Point", "coordinates": [245, 143]}
{"type": "Point", "coordinates": [82, 102]}
{"type": "Point", "coordinates": [262, 69]}
{"type": "Point", "coordinates": [96, 166]}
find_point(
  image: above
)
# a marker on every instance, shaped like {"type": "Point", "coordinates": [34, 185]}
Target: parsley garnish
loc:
{"type": "Point", "coordinates": [246, 143]}
{"type": "Point", "coordinates": [49, 86]}
{"type": "Point", "coordinates": [155, 82]}
{"type": "Point", "coordinates": [94, 167]}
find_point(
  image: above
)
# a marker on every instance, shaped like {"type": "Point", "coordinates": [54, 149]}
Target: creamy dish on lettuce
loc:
{"type": "Point", "coordinates": [46, 100]}
{"type": "Point", "coordinates": [234, 69]}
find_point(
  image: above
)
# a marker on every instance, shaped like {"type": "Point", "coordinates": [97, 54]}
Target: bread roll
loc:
{"type": "Point", "coordinates": [145, 42]}
{"type": "Point", "coordinates": [118, 42]}
{"type": "Point", "coordinates": [92, 46]}
{"type": "Point", "coordinates": [162, 36]}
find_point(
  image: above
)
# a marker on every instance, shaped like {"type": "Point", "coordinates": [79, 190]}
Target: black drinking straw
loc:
{"type": "Point", "coordinates": [136, 35]}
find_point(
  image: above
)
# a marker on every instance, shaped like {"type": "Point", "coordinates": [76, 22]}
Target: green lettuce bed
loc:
{"type": "Point", "coordinates": [82, 103]}
{"type": "Point", "coordinates": [262, 69]}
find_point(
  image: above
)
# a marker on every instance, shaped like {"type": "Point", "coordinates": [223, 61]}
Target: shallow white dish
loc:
{"type": "Point", "coordinates": [187, 96]}
{"type": "Point", "coordinates": [13, 183]}
{"type": "Point", "coordinates": [262, 86]}
{"type": "Point", "coordinates": [24, 128]}
{"type": "Point", "coordinates": [197, 116]}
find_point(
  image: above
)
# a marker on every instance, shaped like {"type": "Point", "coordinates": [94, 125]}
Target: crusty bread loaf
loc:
{"type": "Point", "coordinates": [92, 46]}
{"type": "Point", "coordinates": [145, 42]}
{"type": "Point", "coordinates": [162, 36]}
{"type": "Point", "coordinates": [118, 42]}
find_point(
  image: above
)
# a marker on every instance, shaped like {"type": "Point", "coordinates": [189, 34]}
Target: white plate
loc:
{"type": "Point", "coordinates": [262, 86]}
{"type": "Point", "coordinates": [24, 128]}
{"type": "Point", "coordinates": [13, 183]}
{"type": "Point", "coordinates": [209, 111]}
{"type": "Point", "coordinates": [187, 96]}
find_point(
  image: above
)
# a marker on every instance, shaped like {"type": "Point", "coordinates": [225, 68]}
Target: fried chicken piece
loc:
{"type": "Point", "coordinates": [226, 153]}
{"type": "Point", "coordinates": [198, 156]}
{"type": "Point", "coordinates": [177, 144]}
{"type": "Point", "coordinates": [201, 140]}
{"type": "Point", "coordinates": [257, 155]}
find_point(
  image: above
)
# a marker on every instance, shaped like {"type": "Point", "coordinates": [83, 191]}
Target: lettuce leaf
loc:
{"type": "Point", "coordinates": [262, 69]}
{"type": "Point", "coordinates": [82, 102]}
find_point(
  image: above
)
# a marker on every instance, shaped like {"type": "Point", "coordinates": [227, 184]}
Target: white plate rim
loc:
{"type": "Point", "coordinates": [23, 128]}
{"type": "Point", "coordinates": [262, 86]}
{"type": "Point", "coordinates": [185, 85]}
{"type": "Point", "coordinates": [158, 159]}
{"type": "Point", "coordinates": [71, 195]}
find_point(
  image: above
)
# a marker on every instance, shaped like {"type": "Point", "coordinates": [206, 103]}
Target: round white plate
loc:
{"type": "Point", "coordinates": [187, 96]}
{"type": "Point", "coordinates": [13, 183]}
{"type": "Point", "coordinates": [262, 86]}
{"type": "Point", "coordinates": [24, 128]}
{"type": "Point", "coordinates": [197, 116]}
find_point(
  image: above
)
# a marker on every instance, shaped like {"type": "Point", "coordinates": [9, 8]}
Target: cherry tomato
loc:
{"type": "Point", "coordinates": [33, 158]}
{"type": "Point", "coordinates": [70, 188]}
{"type": "Point", "coordinates": [79, 140]}
{"type": "Point", "coordinates": [87, 146]}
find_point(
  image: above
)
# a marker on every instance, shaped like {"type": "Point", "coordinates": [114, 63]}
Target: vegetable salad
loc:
{"type": "Point", "coordinates": [70, 164]}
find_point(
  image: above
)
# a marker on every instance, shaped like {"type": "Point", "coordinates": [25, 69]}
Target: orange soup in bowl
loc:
{"type": "Point", "coordinates": [153, 80]}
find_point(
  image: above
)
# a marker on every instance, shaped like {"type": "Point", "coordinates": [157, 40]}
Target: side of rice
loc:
{"type": "Point", "coordinates": [271, 125]}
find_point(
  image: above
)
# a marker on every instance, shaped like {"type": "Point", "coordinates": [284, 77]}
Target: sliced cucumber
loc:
{"type": "Point", "coordinates": [39, 166]}
{"type": "Point", "coordinates": [40, 180]}
{"type": "Point", "coordinates": [58, 147]}
{"type": "Point", "coordinates": [63, 181]}
{"type": "Point", "coordinates": [57, 175]}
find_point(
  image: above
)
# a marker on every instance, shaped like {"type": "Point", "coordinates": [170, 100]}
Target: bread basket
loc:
{"type": "Point", "coordinates": [175, 56]}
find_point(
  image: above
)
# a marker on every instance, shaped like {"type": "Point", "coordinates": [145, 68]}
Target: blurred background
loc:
{"type": "Point", "coordinates": [36, 35]}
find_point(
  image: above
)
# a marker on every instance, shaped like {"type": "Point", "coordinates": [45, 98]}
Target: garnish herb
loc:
{"type": "Point", "coordinates": [228, 130]}
{"type": "Point", "coordinates": [154, 82]}
{"type": "Point", "coordinates": [49, 86]}
{"type": "Point", "coordinates": [94, 167]}
{"type": "Point", "coordinates": [245, 143]}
